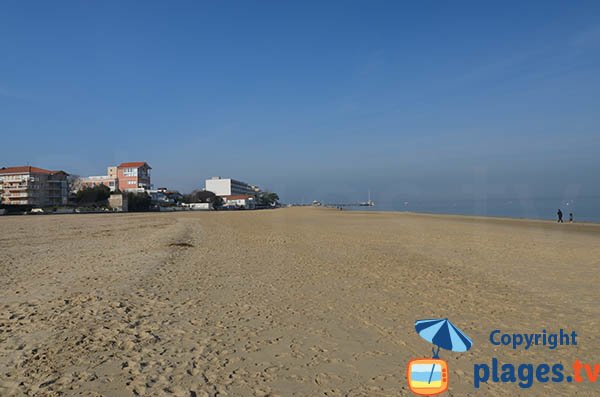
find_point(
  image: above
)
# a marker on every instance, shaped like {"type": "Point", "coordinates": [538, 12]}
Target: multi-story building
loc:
{"type": "Point", "coordinates": [134, 176]}
{"type": "Point", "coordinates": [111, 181]}
{"type": "Point", "coordinates": [33, 186]}
{"type": "Point", "coordinates": [227, 187]}
{"type": "Point", "coordinates": [123, 177]}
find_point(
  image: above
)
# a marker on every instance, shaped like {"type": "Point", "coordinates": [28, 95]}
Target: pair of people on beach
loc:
{"type": "Point", "coordinates": [560, 216]}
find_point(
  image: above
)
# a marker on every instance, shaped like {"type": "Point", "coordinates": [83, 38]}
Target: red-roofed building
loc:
{"type": "Point", "coordinates": [241, 201]}
{"type": "Point", "coordinates": [134, 175]}
{"type": "Point", "coordinates": [34, 186]}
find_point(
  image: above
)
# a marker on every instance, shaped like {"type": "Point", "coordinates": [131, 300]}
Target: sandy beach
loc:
{"type": "Point", "coordinates": [288, 302]}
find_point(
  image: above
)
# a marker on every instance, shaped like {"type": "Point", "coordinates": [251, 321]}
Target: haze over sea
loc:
{"type": "Point", "coordinates": [584, 209]}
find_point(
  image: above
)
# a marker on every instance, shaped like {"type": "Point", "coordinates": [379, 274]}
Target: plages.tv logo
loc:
{"type": "Point", "coordinates": [429, 376]}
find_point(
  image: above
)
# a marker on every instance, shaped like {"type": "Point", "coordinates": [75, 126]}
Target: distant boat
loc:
{"type": "Point", "coordinates": [368, 203]}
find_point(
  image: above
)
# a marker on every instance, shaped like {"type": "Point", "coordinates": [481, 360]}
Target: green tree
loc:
{"type": "Point", "coordinates": [138, 202]}
{"type": "Point", "coordinates": [268, 198]}
{"type": "Point", "coordinates": [94, 196]}
{"type": "Point", "coordinates": [217, 202]}
{"type": "Point", "coordinates": [203, 196]}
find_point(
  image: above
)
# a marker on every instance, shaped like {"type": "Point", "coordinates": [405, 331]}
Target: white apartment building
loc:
{"type": "Point", "coordinates": [228, 187]}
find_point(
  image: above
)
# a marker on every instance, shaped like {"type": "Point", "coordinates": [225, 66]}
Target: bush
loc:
{"type": "Point", "coordinates": [267, 198]}
{"type": "Point", "coordinates": [138, 202]}
{"type": "Point", "coordinates": [203, 196]}
{"type": "Point", "coordinates": [95, 196]}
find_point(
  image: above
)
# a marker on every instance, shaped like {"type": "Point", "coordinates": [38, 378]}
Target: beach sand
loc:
{"type": "Point", "coordinates": [288, 302]}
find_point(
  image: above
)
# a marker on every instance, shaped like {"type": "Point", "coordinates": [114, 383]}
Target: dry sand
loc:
{"type": "Point", "coordinates": [302, 301]}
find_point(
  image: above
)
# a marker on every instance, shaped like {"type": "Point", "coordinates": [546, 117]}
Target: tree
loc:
{"type": "Point", "coordinates": [138, 202]}
{"type": "Point", "coordinates": [217, 202]}
{"type": "Point", "coordinates": [268, 198]}
{"type": "Point", "coordinates": [203, 196]}
{"type": "Point", "coordinates": [96, 195]}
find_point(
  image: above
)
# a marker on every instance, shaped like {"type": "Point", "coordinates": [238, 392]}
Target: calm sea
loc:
{"type": "Point", "coordinates": [585, 209]}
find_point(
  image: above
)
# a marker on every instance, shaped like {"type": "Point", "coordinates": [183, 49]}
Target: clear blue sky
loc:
{"type": "Point", "coordinates": [316, 99]}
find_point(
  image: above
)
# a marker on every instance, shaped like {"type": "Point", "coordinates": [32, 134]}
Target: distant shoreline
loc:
{"type": "Point", "coordinates": [480, 218]}
{"type": "Point", "coordinates": [465, 216]}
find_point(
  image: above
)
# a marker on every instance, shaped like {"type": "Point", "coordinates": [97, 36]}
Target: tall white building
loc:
{"type": "Point", "coordinates": [228, 187]}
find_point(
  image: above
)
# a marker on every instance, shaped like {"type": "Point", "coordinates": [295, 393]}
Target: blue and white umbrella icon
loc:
{"type": "Point", "coordinates": [442, 333]}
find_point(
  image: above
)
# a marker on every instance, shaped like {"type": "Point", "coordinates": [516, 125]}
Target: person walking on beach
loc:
{"type": "Point", "coordinates": [570, 217]}
{"type": "Point", "coordinates": [559, 213]}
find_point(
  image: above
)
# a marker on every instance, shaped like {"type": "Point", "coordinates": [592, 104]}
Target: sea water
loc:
{"type": "Point", "coordinates": [584, 209]}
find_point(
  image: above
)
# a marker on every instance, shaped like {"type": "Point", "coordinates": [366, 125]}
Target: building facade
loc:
{"type": "Point", "coordinates": [134, 176]}
{"type": "Point", "coordinates": [228, 187]}
{"type": "Point", "coordinates": [118, 202]}
{"type": "Point", "coordinates": [33, 186]}
{"type": "Point", "coordinates": [239, 201]}
{"type": "Point", "coordinates": [91, 181]}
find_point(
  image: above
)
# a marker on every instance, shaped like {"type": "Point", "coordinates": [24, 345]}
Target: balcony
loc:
{"type": "Point", "coordinates": [17, 202]}
{"type": "Point", "coordinates": [18, 197]}
{"type": "Point", "coordinates": [14, 186]}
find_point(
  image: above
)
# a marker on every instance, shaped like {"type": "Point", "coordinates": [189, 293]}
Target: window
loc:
{"type": "Point", "coordinates": [131, 182]}
{"type": "Point", "coordinates": [130, 172]}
